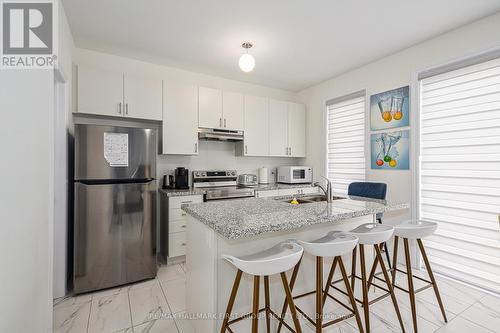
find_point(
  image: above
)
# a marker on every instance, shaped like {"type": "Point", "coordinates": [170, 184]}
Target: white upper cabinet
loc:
{"type": "Point", "coordinates": [99, 91]}
{"type": "Point", "coordinates": [287, 129]}
{"type": "Point", "coordinates": [110, 93]}
{"type": "Point", "coordinates": [180, 119]}
{"type": "Point", "coordinates": [233, 110]}
{"type": "Point", "coordinates": [143, 97]}
{"type": "Point", "coordinates": [278, 128]}
{"type": "Point", "coordinates": [220, 109]}
{"type": "Point", "coordinates": [297, 130]}
{"type": "Point", "coordinates": [210, 108]}
{"type": "Point", "coordinates": [256, 142]}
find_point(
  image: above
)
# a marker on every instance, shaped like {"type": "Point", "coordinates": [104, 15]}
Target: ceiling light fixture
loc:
{"type": "Point", "coordinates": [246, 62]}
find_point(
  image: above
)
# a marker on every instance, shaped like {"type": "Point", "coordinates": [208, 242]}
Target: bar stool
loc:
{"type": "Point", "coordinates": [371, 234]}
{"type": "Point", "coordinates": [276, 260]}
{"type": "Point", "coordinates": [334, 244]}
{"type": "Point", "coordinates": [415, 230]}
{"type": "Point", "coordinates": [373, 191]}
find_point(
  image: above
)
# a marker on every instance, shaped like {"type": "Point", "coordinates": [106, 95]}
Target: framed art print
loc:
{"type": "Point", "coordinates": [390, 109]}
{"type": "Point", "coordinates": [390, 150]}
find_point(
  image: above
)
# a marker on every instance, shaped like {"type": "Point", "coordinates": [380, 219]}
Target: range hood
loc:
{"type": "Point", "coordinates": [219, 134]}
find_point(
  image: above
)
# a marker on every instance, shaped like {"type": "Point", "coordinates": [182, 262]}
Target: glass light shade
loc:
{"type": "Point", "coordinates": [246, 63]}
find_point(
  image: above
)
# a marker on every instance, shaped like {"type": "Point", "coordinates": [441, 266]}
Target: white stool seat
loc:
{"type": "Point", "coordinates": [277, 259]}
{"type": "Point", "coordinates": [333, 244]}
{"type": "Point", "coordinates": [373, 233]}
{"type": "Point", "coordinates": [415, 229]}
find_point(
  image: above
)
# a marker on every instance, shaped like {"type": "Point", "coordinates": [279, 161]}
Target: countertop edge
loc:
{"type": "Point", "coordinates": [248, 233]}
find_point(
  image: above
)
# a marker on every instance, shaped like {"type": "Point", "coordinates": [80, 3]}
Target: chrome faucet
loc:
{"type": "Point", "coordinates": [328, 191]}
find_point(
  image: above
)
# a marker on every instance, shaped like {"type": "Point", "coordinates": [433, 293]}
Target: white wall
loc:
{"type": "Point", "coordinates": [62, 122]}
{"type": "Point", "coordinates": [212, 155]}
{"type": "Point", "coordinates": [27, 194]}
{"type": "Point", "coordinates": [392, 72]}
{"type": "Point", "coordinates": [26, 98]}
{"type": "Point", "coordinates": [220, 155]}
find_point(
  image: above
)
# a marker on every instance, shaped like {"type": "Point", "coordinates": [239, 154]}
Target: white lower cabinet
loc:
{"type": "Point", "coordinates": [177, 244]}
{"type": "Point", "coordinates": [177, 223]}
{"type": "Point", "coordinates": [298, 191]}
{"type": "Point", "coordinates": [288, 191]}
{"type": "Point", "coordinates": [267, 194]}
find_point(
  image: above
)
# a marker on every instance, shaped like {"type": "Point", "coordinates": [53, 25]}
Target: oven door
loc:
{"type": "Point", "coordinates": [228, 193]}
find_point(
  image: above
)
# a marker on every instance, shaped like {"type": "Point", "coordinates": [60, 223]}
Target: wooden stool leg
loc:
{"type": "Point", "coordinates": [411, 289]}
{"type": "Point", "coordinates": [372, 272]}
{"type": "Point", "coordinates": [365, 287]}
{"type": "Point", "coordinates": [289, 299]}
{"type": "Point", "coordinates": [230, 304]}
{"type": "Point", "coordinates": [255, 311]}
{"type": "Point", "coordinates": [353, 268]}
{"type": "Point", "coordinates": [329, 280]}
{"type": "Point", "coordinates": [319, 294]}
{"type": "Point", "coordinates": [285, 303]}
{"type": "Point", "coordinates": [350, 293]}
{"type": "Point", "coordinates": [431, 276]}
{"type": "Point", "coordinates": [267, 300]}
{"type": "Point", "coordinates": [386, 250]}
{"type": "Point", "coordinates": [389, 287]}
{"type": "Point", "coordinates": [395, 260]}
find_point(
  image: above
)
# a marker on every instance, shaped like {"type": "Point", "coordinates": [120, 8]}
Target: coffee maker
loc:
{"type": "Point", "coordinates": [181, 178]}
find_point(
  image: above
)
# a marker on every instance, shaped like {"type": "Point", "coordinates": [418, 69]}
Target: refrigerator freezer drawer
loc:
{"type": "Point", "coordinates": [114, 235]}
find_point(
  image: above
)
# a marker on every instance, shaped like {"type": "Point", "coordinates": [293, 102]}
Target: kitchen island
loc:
{"type": "Point", "coordinates": [245, 226]}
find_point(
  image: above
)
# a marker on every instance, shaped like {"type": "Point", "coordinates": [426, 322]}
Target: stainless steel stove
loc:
{"type": "Point", "coordinates": [220, 184]}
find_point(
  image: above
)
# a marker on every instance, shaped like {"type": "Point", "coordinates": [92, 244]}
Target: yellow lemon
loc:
{"type": "Point", "coordinates": [393, 163]}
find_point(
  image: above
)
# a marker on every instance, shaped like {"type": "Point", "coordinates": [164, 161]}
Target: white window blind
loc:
{"type": "Point", "coordinates": [460, 172]}
{"type": "Point", "coordinates": [346, 143]}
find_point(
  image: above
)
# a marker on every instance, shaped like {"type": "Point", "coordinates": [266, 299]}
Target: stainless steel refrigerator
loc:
{"type": "Point", "coordinates": [115, 206]}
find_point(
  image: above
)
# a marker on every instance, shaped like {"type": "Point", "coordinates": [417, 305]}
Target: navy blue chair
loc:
{"type": "Point", "coordinates": [372, 191]}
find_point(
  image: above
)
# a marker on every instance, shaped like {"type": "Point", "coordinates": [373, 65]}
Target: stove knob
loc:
{"type": "Point", "coordinates": [204, 174]}
{"type": "Point", "coordinates": [197, 174]}
{"type": "Point", "coordinates": [233, 173]}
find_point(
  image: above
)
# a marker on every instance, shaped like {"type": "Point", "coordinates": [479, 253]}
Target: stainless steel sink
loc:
{"type": "Point", "coordinates": [311, 199]}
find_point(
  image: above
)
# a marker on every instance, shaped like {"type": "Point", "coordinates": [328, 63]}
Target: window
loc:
{"type": "Point", "coordinates": [346, 141]}
{"type": "Point", "coordinates": [460, 171]}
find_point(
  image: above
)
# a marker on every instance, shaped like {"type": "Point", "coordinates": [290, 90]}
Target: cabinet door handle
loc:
{"type": "Point", "coordinates": [126, 108]}
{"type": "Point", "coordinates": [120, 108]}
{"type": "Point", "coordinates": [224, 122]}
{"type": "Point", "coordinates": [183, 244]}
{"type": "Point", "coordinates": [185, 202]}
{"type": "Point", "coordinates": [183, 226]}
{"type": "Point", "coordinates": [246, 149]}
{"type": "Point", "coordinates": [196, 147]}
{"type": "Point", "coordinates": [220, 122]}
{"type": "Point", "coordinates": [290, 151]}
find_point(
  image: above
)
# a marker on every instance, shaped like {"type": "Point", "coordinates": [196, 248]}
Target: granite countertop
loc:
{"type": "Point", "coordinates": [242, 218]}
{"type": "Point", "coordinates": [260, 187]}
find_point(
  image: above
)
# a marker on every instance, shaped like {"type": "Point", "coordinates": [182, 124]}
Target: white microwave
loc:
{"type": "Point", "coordinates": [295, 175]}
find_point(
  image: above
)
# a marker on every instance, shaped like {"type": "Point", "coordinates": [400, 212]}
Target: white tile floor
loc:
{"type": "Point", "coordinates": [136, 309]}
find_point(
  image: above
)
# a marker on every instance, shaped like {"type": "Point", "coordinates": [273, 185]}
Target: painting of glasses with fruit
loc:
{"type": "Point", "coordinates": [390, 150]}
{"type": "Point", "coordinates": [390, 109]}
